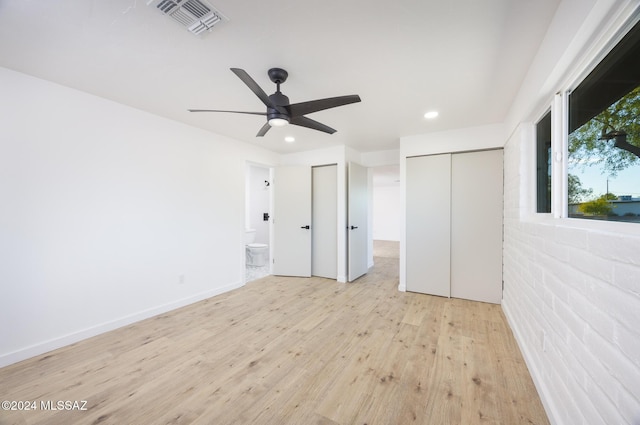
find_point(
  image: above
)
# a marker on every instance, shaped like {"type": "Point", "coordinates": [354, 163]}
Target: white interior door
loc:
{"type": "Point", "coordinates": [324, 233]}
{"type": "Point", "coordinates": [357, 222]}
{"type": "Point", "coordinates": [292, 221]}
{"type": "Point", "coordinates": [428, 224]}
{"type": "Point", "coordinates": [476, 226]}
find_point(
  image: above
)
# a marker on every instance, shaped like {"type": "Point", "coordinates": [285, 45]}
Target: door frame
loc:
{"type": "Point", "coordinates": [246, 221]}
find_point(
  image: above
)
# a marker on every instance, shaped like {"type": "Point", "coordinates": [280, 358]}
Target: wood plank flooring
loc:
{"type": "Point", "coordinates": [292, 351]}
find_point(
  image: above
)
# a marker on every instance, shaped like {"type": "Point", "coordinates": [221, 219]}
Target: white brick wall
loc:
{"type": "Point", "coordinates": [572, 297]}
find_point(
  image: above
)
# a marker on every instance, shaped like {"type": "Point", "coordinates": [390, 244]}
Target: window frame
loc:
{"type": "Point", "coordinates": [548, 112]}
{"type": "Point", "coordinates": [560, 131]}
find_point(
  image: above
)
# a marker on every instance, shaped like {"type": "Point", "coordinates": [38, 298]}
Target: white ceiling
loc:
{"type": "Point", "coordinates": [464, 58]}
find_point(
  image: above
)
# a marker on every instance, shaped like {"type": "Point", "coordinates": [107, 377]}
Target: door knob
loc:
{"type": "Point", "coordinates": [354, 227]}
{"type": "Point", "coordinates": [305, 227]}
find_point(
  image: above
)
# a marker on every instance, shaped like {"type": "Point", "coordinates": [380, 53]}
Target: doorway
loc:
{"type": "Point", "coordinates": [386, 211]}
{"type": "Point", "coordinates": [292, 226]}
{"type": "Point", "coordinates": [257, 247]}
{"type": "Point", "coordinates": [305, 221]}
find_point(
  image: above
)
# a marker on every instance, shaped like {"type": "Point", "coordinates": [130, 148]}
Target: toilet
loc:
{"type": "Point", "coordinates": [257, 253]}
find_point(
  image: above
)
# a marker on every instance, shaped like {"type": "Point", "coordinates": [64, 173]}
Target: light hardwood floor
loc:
{"type": "Point", "coordinates": [292, 351]}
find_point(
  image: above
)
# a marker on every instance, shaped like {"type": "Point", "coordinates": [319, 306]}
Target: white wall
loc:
{"type": "Point", "coordinates": [571, 287]}
{"type": "Point", "coordinates": [387, 214]}
{"type": "Point", "coordinates": [458, 140]}
{"type": "Point", "coordinates": [105, 209]}
{"type": "Point", "coordinates": [380, 158]}
{"type": "Point", "coordinates": [572, 297]}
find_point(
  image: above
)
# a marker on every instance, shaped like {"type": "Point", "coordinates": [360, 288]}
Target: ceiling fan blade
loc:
{"type": "Point", "coordinates": [303, 108]}
{"type": "Point", "coordinates": [231, 112]}
{"type": "Point", "coordinates": [309, 123]}
{"type": "Point", "coordinates": [256, 89]}
{"type": "Point", "coordinates": [263, 130]}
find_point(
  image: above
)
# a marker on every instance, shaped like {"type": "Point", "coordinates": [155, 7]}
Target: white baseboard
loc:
{"type": "Point", "coordinates": [546, 396]}
{"type": "Point", "coordinates": [55, 343]}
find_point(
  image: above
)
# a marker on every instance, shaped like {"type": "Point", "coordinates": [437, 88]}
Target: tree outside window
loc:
{"type": "Point", "coordinates": [604, 139]}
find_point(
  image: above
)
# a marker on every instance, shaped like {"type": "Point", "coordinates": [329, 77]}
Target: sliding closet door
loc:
{"type": "Point", "coordinates": [476, 226]}
{"type": "Point", "coordinates": [428, 220]}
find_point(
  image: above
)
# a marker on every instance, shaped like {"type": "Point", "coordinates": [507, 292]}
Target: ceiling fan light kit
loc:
{"type": "Point", "coordinates": [279, 111]}
{"type": "Point", "coordinates": [278, 122]}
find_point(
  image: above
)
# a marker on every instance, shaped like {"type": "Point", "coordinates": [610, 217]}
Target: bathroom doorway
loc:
{"type": "Point", "coordinates": [258, 202]}
{"type": "Point", "coordinates": [386, 211]}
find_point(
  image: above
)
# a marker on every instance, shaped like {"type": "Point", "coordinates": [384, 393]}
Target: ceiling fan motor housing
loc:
{"type": "Point", "coordinates": [278, 99]}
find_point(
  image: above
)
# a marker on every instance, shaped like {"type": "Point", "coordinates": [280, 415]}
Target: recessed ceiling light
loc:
{"type": "Point", "coordinates": [431, 114]}
{"type": "Point", "coordinates": [289, 139]}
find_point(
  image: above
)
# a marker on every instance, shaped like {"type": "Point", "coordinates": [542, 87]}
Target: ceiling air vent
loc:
{"type": "Point", "coordinates": [195, 15]}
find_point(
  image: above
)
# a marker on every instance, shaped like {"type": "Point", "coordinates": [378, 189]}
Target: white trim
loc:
{"type": "Point", "coordinates": [53, 344]}
{"type": "Point", "coordinates": [613, 228]}
{"type": "Point", "coordinates": [617, 22]}
{"type": "Point", "coordinates": [563, 173]}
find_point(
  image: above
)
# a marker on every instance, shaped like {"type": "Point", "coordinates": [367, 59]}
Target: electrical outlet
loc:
{"type": "Point", "coordinates": [181, 279]}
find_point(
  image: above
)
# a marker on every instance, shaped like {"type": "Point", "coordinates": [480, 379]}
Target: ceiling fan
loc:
{"type": "Point", "coordinates": [279, 111]}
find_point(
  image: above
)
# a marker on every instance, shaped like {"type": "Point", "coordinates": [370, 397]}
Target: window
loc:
{"type": "Point", "coordinates": [543, 164]}
{"type": "Point", "coordinates": [604, 137]}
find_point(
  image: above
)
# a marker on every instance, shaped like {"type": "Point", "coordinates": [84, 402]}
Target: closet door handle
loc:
{"type": "Point", "coordinates": [305, 227]}
{"type": "Point", "coordinates": [354, 227]}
